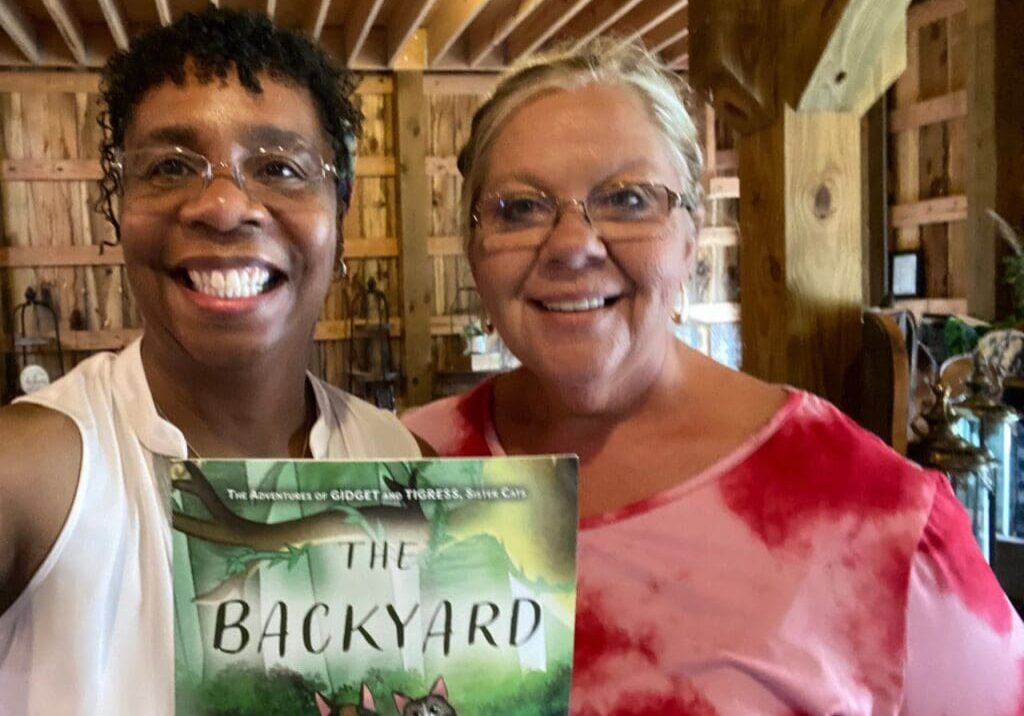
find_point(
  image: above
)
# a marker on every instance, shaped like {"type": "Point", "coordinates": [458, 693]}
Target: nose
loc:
{"type": "Point", "coordinates": [573, 242]}
{"type": "Point", "coordinates": [224, 206]}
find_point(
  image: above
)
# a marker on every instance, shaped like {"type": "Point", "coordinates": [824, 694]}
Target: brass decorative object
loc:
{"type": "Point", "coordinates": [968, 467]}
{"type": "Point", "coordinates": [990, 425]}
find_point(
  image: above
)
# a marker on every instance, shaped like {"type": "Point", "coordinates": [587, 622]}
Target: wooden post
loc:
{"type": "Point", "coordinates": [875, 201]}
{"type": "Point", "coordinates": [5, 345]}
{"type": "Point", "coordinates": [796, 91]}
{"type": "Point", "coordinates": [800, 202]}
{"type": "Point", "coordinates": [414, 228]}
{"type": "Point", "coordinates": [995, 146]}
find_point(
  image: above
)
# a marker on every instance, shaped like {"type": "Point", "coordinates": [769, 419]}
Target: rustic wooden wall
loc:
{"type": "Point", "coordinates": [927, 158]}
{"type": "Point", "coordinates": [455, 299]}
{"type": "Point", "coordinates": [52, 237]}
{"type": "Point", "coordinates": [714, 288]}
{"type": "Point", "coordinates": [47, 220]}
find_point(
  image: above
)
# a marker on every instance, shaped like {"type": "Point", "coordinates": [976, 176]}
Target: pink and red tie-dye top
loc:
{"type": "Point", "coordinates": [812, 572]}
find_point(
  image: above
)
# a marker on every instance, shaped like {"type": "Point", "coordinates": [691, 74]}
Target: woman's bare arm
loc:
{"type": "Point", "coordinates": [40, 459]}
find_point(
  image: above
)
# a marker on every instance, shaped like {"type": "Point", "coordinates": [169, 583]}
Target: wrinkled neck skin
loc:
{"type": "Point", "coordinates": [261, 408]}
{"type": "Point", "coordinates": [540, 415]}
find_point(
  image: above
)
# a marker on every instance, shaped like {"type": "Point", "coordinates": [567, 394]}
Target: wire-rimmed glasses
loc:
{"type": "Point", "coordinates": [270, 175]}
{"type": "Point", "coordinates": [618, 211]}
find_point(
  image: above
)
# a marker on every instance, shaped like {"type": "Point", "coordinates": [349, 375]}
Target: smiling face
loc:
{"type": "Point", "coordinates": [222, 274]}
{"type": "Point", "coordinates": [580, 311]}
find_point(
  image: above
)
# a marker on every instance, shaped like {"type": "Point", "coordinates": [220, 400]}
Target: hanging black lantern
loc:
{"type": "Point", "coordinates": [369, 371]}
{"type": "Point", "coordinates": [31, 375]}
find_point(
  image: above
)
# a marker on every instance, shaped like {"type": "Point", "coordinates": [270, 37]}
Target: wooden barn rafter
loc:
{"type": "Point", "coordinates": [435, 35]}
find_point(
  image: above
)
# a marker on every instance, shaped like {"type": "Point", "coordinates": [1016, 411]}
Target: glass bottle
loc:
{"type": "Point", "coordinates": [967, 467]}
{"type": "Point", "coordinates": [992, 428]}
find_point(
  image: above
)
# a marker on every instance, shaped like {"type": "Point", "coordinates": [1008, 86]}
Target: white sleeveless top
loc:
{"type": "Point", "coordinates": [92, 634]}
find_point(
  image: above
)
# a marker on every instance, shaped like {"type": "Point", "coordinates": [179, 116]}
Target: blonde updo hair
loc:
{"type": "Point", "coordinates": [601, 60]}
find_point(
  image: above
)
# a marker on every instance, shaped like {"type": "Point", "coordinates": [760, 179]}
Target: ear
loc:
{"type": "Point", "coordinates": [440, 688]}
{"type": "Point", "coordinates": [322, 705]}
{"type": "Point", "coordinates": [400, 701]}
{"type": "Point", "coordinates": [367, 698]}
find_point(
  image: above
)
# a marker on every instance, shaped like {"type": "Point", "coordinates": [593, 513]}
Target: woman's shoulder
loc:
{"type": "Point", "coordinates": [816, 433]}
{"type": "Point", "coordinates": [40, 460]}
{"type": "Point", "coordinates": [815, 467]}
{"type": "Point", "coordinates": [456, 426]}
{"type": "Point", "coordinates": [950, 564]}
{"type": "Point", "coordinates": [33, 429]}
{"type": "Point", "coordinates": [39, 447]}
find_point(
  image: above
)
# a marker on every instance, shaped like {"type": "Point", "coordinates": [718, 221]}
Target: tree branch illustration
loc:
{"type": "Point", "coordinates": [227, 528]}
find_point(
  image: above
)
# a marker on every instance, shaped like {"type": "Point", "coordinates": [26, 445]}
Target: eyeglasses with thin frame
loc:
{"type": "Point", "coordinates": [273, 175]}
{"type": "Point", "coordinates": [618, 211]}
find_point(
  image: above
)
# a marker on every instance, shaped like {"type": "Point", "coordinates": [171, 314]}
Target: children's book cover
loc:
{"type": "Point", "coordinates": [417, 588]}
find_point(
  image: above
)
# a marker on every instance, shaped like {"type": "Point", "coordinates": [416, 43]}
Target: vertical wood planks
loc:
{"type": "Point", "coordinates": [413, 219]}
{"type": "Point", "coordinates": [933, 174]}
{"type": "Point", "coordinates": [802, 201]}
{"type": "Point", "coordinates": [956, 33]}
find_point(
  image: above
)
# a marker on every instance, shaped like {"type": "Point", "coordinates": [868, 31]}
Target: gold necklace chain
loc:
{"type": "Point", "coordinates": [192, 453]}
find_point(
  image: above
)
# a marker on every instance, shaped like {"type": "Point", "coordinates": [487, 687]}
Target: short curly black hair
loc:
{"type": "Point", "coordinates": [209, 44]}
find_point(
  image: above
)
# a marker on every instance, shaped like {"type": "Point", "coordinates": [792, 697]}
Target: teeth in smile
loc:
{"type": "Point", "coordinates": [233, 283]}
{"type": "Point", "coordinates": [586, 304]}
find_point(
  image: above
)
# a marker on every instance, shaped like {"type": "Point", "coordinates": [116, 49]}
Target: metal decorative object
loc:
{"type": "Point", "coordinates": [369, 371]}
{"type": "Point", "coordinates": [32, 376]}
{"type": "Point", "coordinates": [991, 426]}
{"type": "Point", "coordinates": [1003, 351]}
{"type": "Point", "coordinates": [968, 468]}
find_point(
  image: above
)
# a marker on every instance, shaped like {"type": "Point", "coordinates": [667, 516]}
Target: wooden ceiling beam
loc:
{"type": "Point", "coordinates": [675, 54]}
{"type": "Point", "coordinates": [163, 11]}
{"type": "Point", "coordinates": [358, 25]}
{"type": "Point", "coordinates": [493, 26]}
{"type": "Point", "coordinates": [406, 18]}
{"type": "Point", "coordinates": [593, 20]}
{"type": "Point", "coordinates": [446, 24]}
{"type": "Point", "coordinates": [793, 89]}
{"type": "Point", "coordinates": [542, 24]}
{"type": "Point", "coordinates": [646, 17]}
{"type": "Point", "coordinates": [671, 31]}
{"type": "Point", "coordinates": [836, 66]}
{"type": "Point", "coordinates": [317, 17]}
{"type": "Point", "coordinates": [115, 21]}
{"type": "Point", "coordinates": [68, 26]}
{"type": "Point", "coordinates": [17, 25]}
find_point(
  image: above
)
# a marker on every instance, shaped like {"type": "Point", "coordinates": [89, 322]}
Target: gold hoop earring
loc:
{"type": "Point", "coordinates": [679, 317]}
{"type": "Point", "coordinates": [342, 269]}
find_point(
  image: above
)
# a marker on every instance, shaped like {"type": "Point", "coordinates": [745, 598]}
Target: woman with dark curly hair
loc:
{"type": "Point", "coordinates": [229, 149]}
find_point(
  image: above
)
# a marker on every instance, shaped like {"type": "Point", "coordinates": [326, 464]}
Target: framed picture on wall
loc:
{"type": "Point", "coordinates": [907, 274]}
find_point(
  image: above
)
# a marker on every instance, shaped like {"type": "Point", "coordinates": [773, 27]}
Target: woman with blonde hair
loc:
{"type": "Point", "coordinates": [744, 548]}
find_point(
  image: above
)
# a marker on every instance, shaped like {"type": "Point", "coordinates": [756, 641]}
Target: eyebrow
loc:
{"type": "Point", "coordinates": [536, 182]}
{"type": "Point", "coordinates": [269, 134]}
{"type": "Point", "coordinates": [262, 134]}
{"type": "Point", "coordinates": [172, 134]}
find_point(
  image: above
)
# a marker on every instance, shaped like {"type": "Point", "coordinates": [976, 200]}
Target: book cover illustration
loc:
{"type": "Point", "coordinates": [433, 587]}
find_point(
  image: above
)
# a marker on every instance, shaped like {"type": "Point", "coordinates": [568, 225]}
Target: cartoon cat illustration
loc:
{"type": "Point", "coordinates": [433, 704]}
{"type": "Point", "coordinates": [366, 707]}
